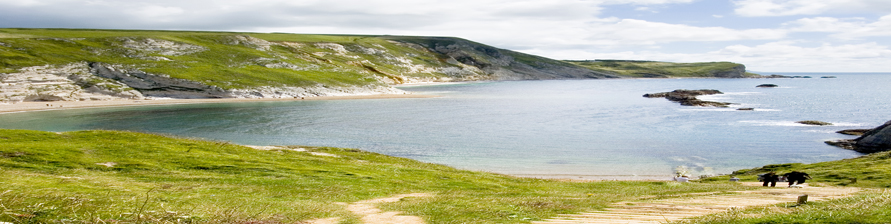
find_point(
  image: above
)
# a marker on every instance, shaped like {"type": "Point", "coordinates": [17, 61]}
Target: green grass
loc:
{"type": "Point", "coordinates": [223, 63]}
{"type": "Point", "coordinates": [873, 171]}
{"type": "Point", "coordinates": [655, 69]}
{"type": "Point", "coordinates": [870, 172]}
{"type": "Point", "coordinates": [872, 206]}
{"type": "Point", "coordinates": [50, 177]}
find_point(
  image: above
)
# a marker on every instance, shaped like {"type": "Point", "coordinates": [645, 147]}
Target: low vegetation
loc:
{"type": "Point", "coordinates": [870, 172]}
{"type": "Point", "coordinates": [227, 60]}
{"type": "Point", "coordinates": [656, 69]}
{"type": "Point", "coordinates": [248, 60]}
{"type": "Point", "coordinates": [125, 177]}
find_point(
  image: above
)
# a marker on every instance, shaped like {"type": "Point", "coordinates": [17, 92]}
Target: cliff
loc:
{"type": "Point", "coordinates": [63, 64]}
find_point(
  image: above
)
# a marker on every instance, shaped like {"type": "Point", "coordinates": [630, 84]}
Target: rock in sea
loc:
{"type": "Point", "coordinates": [820, 123]}
{"type": "Point", "coordinates": [875, 140]}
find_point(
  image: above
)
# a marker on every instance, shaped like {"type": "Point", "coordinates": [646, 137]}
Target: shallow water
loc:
{"type": "Point", "coordinates": [575, 128]}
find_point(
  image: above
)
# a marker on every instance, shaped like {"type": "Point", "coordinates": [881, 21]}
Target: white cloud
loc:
{"type": "Point", "coordinates": [808, 7]}
{"type": "Point", "coordinates": [158, 13]}
{"type": "Point", "coordinates": [644, 2]}
{"type": "Point", "coordinates": [561, 29]}
{"type": "Point", "coordinates": [780, 56]}
{"type": "Point", "coordinates": [22, 3]}
{"type": "Point", "coordinates": [632, 31]}
{"type": "Point", "coordinates": [847, 29]}
{"type": "Point", "coordinates": [785, 56]}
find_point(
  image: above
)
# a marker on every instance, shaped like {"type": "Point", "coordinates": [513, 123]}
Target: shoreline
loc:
{"type": "Point", "coordinates": [21, 107]}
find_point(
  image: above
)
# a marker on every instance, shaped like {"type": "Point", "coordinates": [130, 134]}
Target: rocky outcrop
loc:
{"type": "Point", "coordinates": [72, 82]}
{"type": "Point", "coordinates": [878, 139]}
{"type": "Point", "coordinates": [688, 97]}
{"type": "Point", "coordinates": [151, 85]}
{"type": "Point", "coordinates": [857, 132]}
{"type": "Point", "coordinates": [875, 140]}
{"type": "Point", "coordinates": [157, 85]}
{"type": "Point", "coordinates": [818, 123]}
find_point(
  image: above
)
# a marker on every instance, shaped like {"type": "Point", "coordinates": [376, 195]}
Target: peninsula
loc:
{"type": "Point", "coordinates": [47, 65]}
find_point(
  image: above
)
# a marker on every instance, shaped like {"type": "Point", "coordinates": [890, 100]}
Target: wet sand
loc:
{"type": "Point", "coordinates": [62, 105]}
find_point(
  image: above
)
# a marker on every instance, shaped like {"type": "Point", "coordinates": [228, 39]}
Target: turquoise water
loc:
{"type": "Point", "coordinates": [600, 129]}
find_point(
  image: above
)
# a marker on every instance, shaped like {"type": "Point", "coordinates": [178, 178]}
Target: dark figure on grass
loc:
{"type": "Point", "coordinates": [796, 176]}
{"type": "Point", "coordinates": [770, 178]}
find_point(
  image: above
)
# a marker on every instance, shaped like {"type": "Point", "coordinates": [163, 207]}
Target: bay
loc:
{"type": "Point", "coordinates": [589, 129]}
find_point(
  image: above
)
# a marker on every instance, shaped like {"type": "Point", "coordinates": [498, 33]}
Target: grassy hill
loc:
{"type": "Point", "coordinates": [125, 177]}
{"type": "Point", "coordinates": [656, 69]}
{"type": "Point", "coordinates": [871, 172]}
{"type": "Point", "coordinates": [110, 176]}
{"type": "Point", "coordinates": [72, 64]}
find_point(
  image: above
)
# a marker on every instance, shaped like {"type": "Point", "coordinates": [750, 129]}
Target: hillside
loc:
{"type": "Point", "coordinates": [656, 69]}
{"type": "Point", "coordinates": [57, 64]}
{"type": "Point", "coordinates": [125, 177]}
{"type": "Point", "coordinates": [65, 64]}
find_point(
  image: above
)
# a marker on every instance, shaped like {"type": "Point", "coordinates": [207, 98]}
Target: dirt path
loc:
{"type": "Point", "coordinates": [666, 210]}
{"type": "Point", "coordinates": [370, 214]}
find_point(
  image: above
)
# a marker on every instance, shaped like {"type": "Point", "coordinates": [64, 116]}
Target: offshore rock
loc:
{"type": "Point", "coordinates": [818, 123]}
{"type": "Point", "coordinates": [857, 132]}
{"type": "Point", "coordinates": [688, 97]}
{"type": "Point", "coordinates": [767, 85]}
{"type": "Point", "coordinates": [875, 140]}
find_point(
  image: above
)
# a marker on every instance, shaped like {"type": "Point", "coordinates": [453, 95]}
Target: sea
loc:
{"type": "Point", "coordinates": [568, 129]}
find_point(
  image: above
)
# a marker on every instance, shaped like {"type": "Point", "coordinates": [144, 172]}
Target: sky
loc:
{"type": "Point", "coordinates": [765, 35]}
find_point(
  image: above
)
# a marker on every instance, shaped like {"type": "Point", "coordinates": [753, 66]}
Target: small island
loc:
{"type": "Point", "coordinates": [688, 97]}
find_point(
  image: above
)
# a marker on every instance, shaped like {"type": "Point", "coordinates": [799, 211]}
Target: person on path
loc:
{"type": "Point", "coordinates": [770, 178]}
{"type": "Point", "coordinates": [796, 176]}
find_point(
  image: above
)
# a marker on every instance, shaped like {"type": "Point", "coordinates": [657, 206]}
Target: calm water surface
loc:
{"type": "Point", "coordinates": [601, 129]}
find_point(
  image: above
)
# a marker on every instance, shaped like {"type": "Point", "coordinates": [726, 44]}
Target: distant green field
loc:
{"type": "Point", "coordinates": [656, 69]}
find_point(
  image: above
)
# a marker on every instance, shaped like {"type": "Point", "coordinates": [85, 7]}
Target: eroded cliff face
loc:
{"type": "Point", "coordinates": [72, 82]}
{"type": "Point", "coordinates": [157, 85]}
{"type": "Point", "coordinates": [100, 81]}
{"type": "Point", "coordinates": [736, 72]}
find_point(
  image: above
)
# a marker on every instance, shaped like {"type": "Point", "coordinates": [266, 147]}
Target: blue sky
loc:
{"type": "Point", "coordinates": [765, 35]}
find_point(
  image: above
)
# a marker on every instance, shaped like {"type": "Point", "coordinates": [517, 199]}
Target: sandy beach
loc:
{"type": "Point", "coordinates": [62, 105]}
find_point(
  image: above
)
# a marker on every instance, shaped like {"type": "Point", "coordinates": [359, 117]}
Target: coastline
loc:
{"type": "Point", "coordinates": [65, 105]}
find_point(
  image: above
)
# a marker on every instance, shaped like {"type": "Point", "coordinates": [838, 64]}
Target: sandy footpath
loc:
{"type": "Point", "coordinates": [61, 105]}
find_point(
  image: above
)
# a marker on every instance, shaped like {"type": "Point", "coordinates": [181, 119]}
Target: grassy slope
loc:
{"type": "Point", "coordinates": [50, 177]}
{"type": "Point", "coordinates": [223, 64]}
{"type": "Point", "coordinates": [872, 172]}
{"type": "Point", "coordinates": [655, 69]}
{"type": "Point", "coordinates": [228, 64]}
